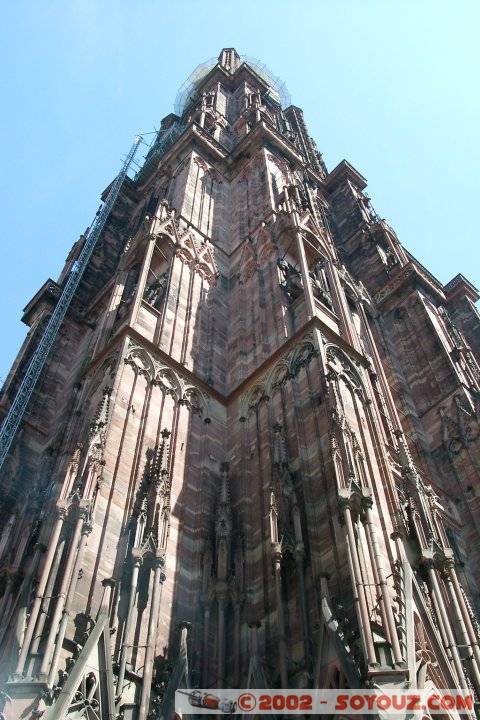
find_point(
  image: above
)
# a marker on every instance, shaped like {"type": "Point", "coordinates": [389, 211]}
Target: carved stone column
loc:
{"type": "Point", "coordinates": [282, 643]}
{"type": "Point", "coordinates": [46, 602]}
{"type": "Point", "coordinates": [462, 629]}
{"type": "Point", "coordinates": [5, 602]}
{"type": "Point", "coordinates": [440, 606]}
{"type": "Point", "coordinates": [143, 277]}
{"type": "Point", "coordinates": [137, 561]}
{"type": "Point", "coordinates": [206, 637]}
{"type": "Point", "coordinates": [67, 575]}
{"type": "Point", "coordinates": [300, 563]}
{"type": "Point", "coordinates": [359, 590]}
{"type": "Point", "coordinates": [306, 280]}
{"type": "Point", "coordinates": [6, 533]}
{"type": "Point", "coordinates": [61, 512]}
{"type": "Point", "coordinates": [254, 627]}
{"type": "Point", "coordinates": [158, 580]}
{"type": "Point", "coordinates": [223, 532]}
{"type": "Point", "coordinates": [86, 530]}
{"type": "Point", "coordinates": [383, 586]}
{"type": "Point", "coordinates": [237, 613]}
{"type": "Point", "coordinates": [221, 603]}
{"type": "Point", "coordinates": [465, 613]}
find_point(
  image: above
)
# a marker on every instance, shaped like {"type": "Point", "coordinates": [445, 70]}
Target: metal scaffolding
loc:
{"type": "Point", "coordinates": [27, 386]}
{"type": "Point", "coordinates": [188, 91]}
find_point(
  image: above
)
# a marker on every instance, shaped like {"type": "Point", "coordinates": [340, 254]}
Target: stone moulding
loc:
{"type": "Point", "coordinates": [172, 383]}
{"type": "Point", "coordinates": [285, 369]}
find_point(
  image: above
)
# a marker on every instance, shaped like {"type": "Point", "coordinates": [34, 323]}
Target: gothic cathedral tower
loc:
{"type": "Point", "coordinates": [252, 459]}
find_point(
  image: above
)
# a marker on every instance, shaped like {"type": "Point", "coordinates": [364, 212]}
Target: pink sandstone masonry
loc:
{"type": "Point", "coordinates": [253, 457]}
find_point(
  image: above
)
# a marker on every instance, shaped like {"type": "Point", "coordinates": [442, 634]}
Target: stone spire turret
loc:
{"type": "Point", "coordinates": [229, 59]}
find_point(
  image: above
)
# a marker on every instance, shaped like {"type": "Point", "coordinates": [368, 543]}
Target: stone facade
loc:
{"type": "Point", "coordinates": [253, 456]}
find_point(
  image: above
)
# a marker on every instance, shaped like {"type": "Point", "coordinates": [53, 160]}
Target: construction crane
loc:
{"type": "Point", "coordinates": [27, 386]}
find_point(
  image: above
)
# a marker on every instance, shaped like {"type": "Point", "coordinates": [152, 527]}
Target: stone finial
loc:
{"type": "Point", "coordinates": [280, 458]}
{"type": "Point", "coordinates": [229, 59]}
{"type": "Point", "coordinates": [160, 459]}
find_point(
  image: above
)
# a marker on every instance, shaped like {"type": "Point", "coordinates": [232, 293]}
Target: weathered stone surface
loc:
{"type": "Point", "coordinates": [260, 418]}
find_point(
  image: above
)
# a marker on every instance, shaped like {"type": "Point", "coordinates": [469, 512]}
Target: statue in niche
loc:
{"type": "Point", "coordinates": [388, 256]}
{"type": "Point", "coordinates": [304, 200]}
{"type": "Point", "coordinates": [392, 259]}
{"type": "Point", "coordinates": [128, 293]}
{"type": "Point", "coordinates": [155, 291]}
{"type": "Point", "coordinates": [291, 283]}
{"type": "Point", "coordinates": [320, 286]}
{"type": "Point", "coordinates": [291, 136]}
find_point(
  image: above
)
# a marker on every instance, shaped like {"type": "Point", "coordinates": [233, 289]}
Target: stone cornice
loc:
{"type": "Point", "coordinates": [130, 332]}
{"type": "Point", "coordinates": [459, 286]}
{"type": "Point", "coordinates": [314, 322]}
{"type": "Point", "coordinates": [263, 129]}
{"type": "Point", "coordinates": [48, 294]}
{"type": "Point", "coordinates": [229, 79]}
{"type": "Point", "coordinates": [215, 148]}
{"type": "Point", "coordinates": [229, 158]}
{"type": "Point", "coordinates": [191, 134]}
{"type": "Point", "coordinates": [409, 274]}
{"type": "Point", "coordinates": [344, 171]}
{"type": "Point", "coordinates": [226, 399]}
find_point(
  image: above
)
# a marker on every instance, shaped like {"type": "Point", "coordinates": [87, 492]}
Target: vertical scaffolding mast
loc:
{"type": "Point", "coordinates": [35, 367]}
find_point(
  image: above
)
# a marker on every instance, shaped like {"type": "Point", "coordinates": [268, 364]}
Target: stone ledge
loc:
{"type": "Point", "coordinates": [344, 171]}
{"type": "Point", "coordinates": [48, 295]}
{"type": "Point", "coordinates": [460, 286]}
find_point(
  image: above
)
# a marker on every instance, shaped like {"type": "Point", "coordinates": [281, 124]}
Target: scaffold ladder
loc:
{"type": "Point", "coordinates": [27, 386]}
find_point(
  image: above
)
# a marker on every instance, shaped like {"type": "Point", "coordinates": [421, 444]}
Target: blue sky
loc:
{"type": "Point", "coordinates": [392, 86]}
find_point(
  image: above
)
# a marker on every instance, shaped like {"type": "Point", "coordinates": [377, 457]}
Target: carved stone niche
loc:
{"type": "Point", "coordinates": [291, 280]}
